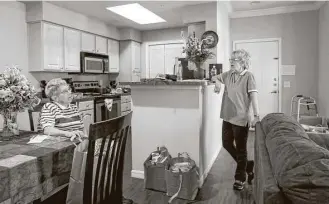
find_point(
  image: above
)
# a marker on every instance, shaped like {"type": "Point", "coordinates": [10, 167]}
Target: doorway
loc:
{"type": "Point", "coordinates": [265, 65]}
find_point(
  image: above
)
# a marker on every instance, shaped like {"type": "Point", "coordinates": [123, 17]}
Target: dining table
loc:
{"type": "Point", "coordinates": [30, 171]}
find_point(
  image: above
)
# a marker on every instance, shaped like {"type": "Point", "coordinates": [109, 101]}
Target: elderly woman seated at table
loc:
{"type": "Point", "coordinates": [60, 117]}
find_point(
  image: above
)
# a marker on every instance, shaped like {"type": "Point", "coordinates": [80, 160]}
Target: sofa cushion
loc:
{"type": "Point", "coordinates": [321, 139]}
{"type": "Point", "coordinates": [300, 166]}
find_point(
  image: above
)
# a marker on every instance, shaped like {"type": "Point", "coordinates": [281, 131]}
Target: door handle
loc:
{"type": "Point", "coordinates": [274, 92]}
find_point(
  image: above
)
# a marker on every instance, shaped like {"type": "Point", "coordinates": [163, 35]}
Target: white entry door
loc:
{"type": "Point", "coordinates": [265, 67]}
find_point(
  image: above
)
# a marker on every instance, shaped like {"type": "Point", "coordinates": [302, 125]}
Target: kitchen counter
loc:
{"type": "Point", "coordinates": [84, 98]}
{"type": "Point", "coordinates": [184, 116]}
{"type": "Point", "coordinates": [153, 82]}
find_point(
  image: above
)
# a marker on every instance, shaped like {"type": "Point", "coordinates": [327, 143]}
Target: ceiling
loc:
{"type": "Point", "coordinates": [246, 5]}
{"type": "Point", "coordinates": [168, 10]}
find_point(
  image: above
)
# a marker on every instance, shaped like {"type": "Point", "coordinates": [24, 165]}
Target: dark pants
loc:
{"type": "Point", "coordinates": [238, 134]}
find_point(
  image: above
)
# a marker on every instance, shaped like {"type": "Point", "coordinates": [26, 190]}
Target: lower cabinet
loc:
{"type": "Point", "coordinates": [125, 104]}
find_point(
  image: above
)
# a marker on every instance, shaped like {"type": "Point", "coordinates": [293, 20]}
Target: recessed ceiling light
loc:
{"type": "Point", "coordinates": [136, 13]}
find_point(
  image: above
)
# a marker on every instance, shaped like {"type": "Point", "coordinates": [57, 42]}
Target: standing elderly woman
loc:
{"type": "Point", "coordinates": [60, 117]}
{"type": "Point", "coordinates": [240, 93]}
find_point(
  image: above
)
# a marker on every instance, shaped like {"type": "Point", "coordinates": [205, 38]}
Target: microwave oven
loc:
{"type": "Point", "coordinates": [94, 63]}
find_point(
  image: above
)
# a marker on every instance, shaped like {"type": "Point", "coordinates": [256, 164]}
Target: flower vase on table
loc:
{"type": "Point", "coordinates": [10, 127]}
{"type": "Point", "coordinates": [16, 95]}
{"type": "Point", "coordinates": [197, 53]}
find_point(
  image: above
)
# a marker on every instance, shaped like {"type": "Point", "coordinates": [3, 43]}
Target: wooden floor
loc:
{"type": "Point", "coordinates": [217, 188]}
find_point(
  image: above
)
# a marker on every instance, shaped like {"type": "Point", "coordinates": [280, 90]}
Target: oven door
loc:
{"type": "Point", "coordinates": [102, 113]}
{"type": "Point", "coordinates": [93, 65]}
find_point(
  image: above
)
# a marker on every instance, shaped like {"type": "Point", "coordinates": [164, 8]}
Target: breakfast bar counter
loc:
{"type": "Point", "coordinates": [184, 116]}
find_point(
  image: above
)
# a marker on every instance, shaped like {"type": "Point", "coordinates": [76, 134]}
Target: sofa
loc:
{"type": "Point", "coordinates": [291, 165]}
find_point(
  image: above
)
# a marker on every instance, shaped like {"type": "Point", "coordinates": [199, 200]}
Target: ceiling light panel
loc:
{"type": "Point", "coordinates": [136, 13]}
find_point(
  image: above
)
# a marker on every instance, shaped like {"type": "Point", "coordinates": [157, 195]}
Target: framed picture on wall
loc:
{"type": "Point", "coordinates": [215, 69]}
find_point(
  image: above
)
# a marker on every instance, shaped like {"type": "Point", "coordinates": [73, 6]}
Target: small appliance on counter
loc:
{"type": "Point", "coordinates": [94, 63]}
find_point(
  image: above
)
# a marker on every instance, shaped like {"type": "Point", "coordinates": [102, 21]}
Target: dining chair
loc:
{"type": "Point", "coordinates": [36, 113]}
{"type": "Point", "coordinates": [104, 174]}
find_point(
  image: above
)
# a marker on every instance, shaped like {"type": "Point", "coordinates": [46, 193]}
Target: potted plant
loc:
{"type": "Point", "coordinates": [197, 53]}
{"type": "Point", "coordinates": [16, 95]}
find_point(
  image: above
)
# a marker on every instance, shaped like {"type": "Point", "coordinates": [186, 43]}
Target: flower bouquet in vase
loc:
{"type": "Point", "coordinates": [196, 53]}
{"type": "Point", "coordinates": [16, 95]}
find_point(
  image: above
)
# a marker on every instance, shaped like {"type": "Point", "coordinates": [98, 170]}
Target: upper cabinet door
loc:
{"type": "Point", "coordinates": [88, 42]}
{"type": "Point", "coordinates": [136, 72]}
{"type": "Point", "coordinates": [72, 48]}
{"type": "Point", "coordinates": [101, 45]}
{"type": "Point", "coordinates": [53, 47]}
{"type": "Point", "coordinates": [156, 60]}
{"type": "Point", "coordinates": [171, 52]}
{"type": "Point", "coordinates": [113, 51]}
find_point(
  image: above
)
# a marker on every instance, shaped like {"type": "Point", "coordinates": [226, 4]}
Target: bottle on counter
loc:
{"type": "Point", "coordinates": [179, 71]}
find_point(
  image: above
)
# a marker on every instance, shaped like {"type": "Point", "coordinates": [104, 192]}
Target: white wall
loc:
{"type": "Point", "coordinates": [130, 34]}
{"type": "Point", "coordinates": [13, 44]}
{"type": "Point", "coordinates": [223, 31]}
{"type": "Point", "coordinates": [299, 34]}
{"type": "Point", "coordinates": [323, 60]}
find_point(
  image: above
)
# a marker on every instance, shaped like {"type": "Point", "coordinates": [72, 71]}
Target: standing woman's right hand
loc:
{"type": "Point", "coordinates": [217, 84]}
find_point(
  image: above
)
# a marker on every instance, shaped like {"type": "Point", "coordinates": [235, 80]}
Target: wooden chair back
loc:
{"type": "Point", "coordinates": [34, 112]}
{"type": "Point", "coordinates": [103, 179]}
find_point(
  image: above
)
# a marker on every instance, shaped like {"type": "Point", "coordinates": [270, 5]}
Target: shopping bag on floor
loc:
{"type": "Point", "coordinates": [154, 169]}
{"type": "Point", "coordinates": [77, 177]}
{"type": "Point", "coordinates": [182, 178]}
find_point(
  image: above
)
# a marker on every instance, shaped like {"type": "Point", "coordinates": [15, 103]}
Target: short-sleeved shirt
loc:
{"type": "Point", "coordinates": [63, 118]}
{"type": "Point", "coordinates": [236, 104]}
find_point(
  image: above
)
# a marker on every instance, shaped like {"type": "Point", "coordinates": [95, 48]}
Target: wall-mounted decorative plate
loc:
{"type": "Point", "coordinates": [211, 38]}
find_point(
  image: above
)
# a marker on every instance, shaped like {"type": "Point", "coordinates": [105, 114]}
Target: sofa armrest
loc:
{"type": "Point", "coordinates": [266, 190]}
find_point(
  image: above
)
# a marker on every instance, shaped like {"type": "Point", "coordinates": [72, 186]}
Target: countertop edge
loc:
{"type": "Point", "coordinates": [172, 83]}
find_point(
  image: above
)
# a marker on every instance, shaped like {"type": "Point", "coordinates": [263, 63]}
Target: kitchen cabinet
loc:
{"type": "Point", "coordinates": [156, 60]}
{"type": "Point", "coordinates": [130, 63]}
{"type": "Point", "coordinates": [162, 58]}
{"type": "Point", "coordinates": [46, 47]}
{"type": "Point", "coordinates": [125, 104]}
{"type": "Point", "coordinates": [53, 47]}
{"type": "Point", "coordinates": [101, 45]}
{"type": "Point", "coordinates": [113, 52]}
{"type": "Point", "coordinates": [88, 42]}
{"type": "Point", "coordinates": [72, 47]}
{"type": "Point", "coordinates": [136, 61]}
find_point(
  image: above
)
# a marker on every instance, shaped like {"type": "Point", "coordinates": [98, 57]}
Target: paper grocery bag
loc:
{"type": "Point", "coordinates": [77, 177]}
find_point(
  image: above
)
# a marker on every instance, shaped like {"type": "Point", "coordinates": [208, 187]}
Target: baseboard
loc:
{"type": "Point", "coordinates": [137, 174]}
{"type": "Point", "coordinates": [207, 170]}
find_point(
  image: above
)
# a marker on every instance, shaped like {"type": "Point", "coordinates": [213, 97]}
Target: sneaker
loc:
{"type": "Point", "coordinates": [249, 170]}
{"type": "Point", "coordinates": [238, 185]}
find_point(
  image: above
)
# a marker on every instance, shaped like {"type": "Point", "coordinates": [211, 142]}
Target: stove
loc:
{"type": "Point", "coordinates": [93, 89]}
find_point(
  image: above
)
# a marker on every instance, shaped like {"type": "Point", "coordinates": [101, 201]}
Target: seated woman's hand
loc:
{"type": "Point", "coordinates": [74, 135]}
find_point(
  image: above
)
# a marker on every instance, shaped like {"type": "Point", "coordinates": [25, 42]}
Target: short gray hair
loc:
{"type": "Point", "coordinates": [52, 88]}
{"type": "Point", "coordinates": [243, 56]}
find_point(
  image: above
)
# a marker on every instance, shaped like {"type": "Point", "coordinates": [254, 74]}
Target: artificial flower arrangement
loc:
{"type": "Point", "coordinates": [196, 51]}
{"type": "Point", "coordinates": [16, 95]}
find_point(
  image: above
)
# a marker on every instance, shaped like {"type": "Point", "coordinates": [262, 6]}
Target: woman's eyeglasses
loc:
{"type": "Point", "coordinates": [234, 61]}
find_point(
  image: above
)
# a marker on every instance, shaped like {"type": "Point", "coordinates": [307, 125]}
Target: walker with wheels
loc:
{"type": "Point", "coordinates": [299, 101]}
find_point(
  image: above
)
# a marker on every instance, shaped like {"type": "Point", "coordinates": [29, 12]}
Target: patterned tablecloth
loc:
{"type": "Point", "coordinates": [30, 171]}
